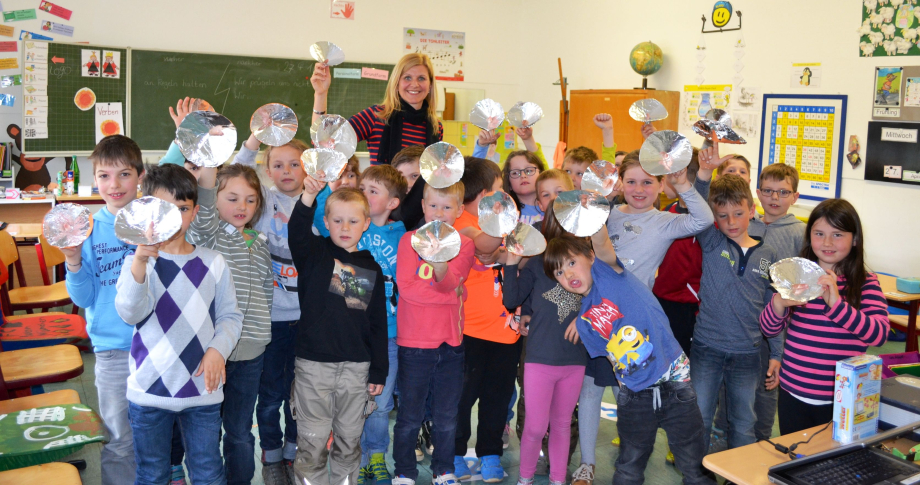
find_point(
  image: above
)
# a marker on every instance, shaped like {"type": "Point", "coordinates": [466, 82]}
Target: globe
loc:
{"type": "Point", "coordinates": [645, 59]}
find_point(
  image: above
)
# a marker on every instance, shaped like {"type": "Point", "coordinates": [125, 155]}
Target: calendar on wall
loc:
{"type": "Point", "coordinates": [806, 132]}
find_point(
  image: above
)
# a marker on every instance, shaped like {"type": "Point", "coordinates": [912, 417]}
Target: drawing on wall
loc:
{"type": "Point", "coordinates": [445, 49]}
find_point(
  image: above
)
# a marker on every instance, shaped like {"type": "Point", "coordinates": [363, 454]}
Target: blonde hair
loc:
{"type": "Point", "coordinates": [555, 174]}
{"type": "Point", "coordinates": [456, 191]}
{"type": "Point", "coordinates": [387, 175]}
{"type": "Point", "coordinates": [392, 101]}
{"type": "Point", "coordinates": [353, 166]}
{"type": "Point", "coordinates": [348, 194]}
{"type": "Point", "coordinates": [580, 156]}
{"type": "Point", "coordinates": [296, 144]}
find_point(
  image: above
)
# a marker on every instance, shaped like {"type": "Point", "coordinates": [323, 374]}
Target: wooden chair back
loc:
{"type": "Point", "coordinates": [49, 257]}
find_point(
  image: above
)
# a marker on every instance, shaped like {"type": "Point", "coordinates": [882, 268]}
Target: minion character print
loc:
{"type": "Point", "coordinates": [629, 350]}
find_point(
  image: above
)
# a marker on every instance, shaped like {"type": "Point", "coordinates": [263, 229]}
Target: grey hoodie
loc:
{"type": "Point", "coordinates": [785, 235]}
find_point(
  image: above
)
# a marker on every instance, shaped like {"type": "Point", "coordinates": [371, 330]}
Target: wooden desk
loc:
{"type": "Point", "coordinates": [24, 231]}
{"type": "Point", "coordinates": [76, 199]}
{"type": "Point", "coordinates": [904, 301]}
{"type": "Point", "coordinates": [22, 210]}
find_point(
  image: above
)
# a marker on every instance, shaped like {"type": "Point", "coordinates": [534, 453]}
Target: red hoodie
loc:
{"type": "Point", "coordinates": [680, 271]}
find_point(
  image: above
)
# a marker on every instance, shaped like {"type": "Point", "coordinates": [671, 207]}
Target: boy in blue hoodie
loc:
{"type": "Point", "coordinates": [92, 270]}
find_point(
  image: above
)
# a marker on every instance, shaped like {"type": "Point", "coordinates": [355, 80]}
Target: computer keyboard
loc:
{"type": "Point", "coordinates": [862, 467]}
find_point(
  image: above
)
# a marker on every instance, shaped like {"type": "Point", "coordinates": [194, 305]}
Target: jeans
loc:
{"type": "Point", "coordinates": [153, 431]}
{"type": "Point", "coordinates": [551, 395]}
{"type": "Point", "coordinates": [764, 403]}
{"type": "Point", "coordinates": [275, 392]}
{"type": "Point", "coordinates": [589, 417]}
{"type": "Point", "coordinates": [637, 425]}
{"type": "Point", "coordinates": [240, 394]}
{"type": "Point", "coordinates": [440, 372]}
{"type": "Point", "coordinates": [376, 436]}
{"type": "Point", "coordinates": [741, 375]}
{"type": "Point", "coordinates": [117, 460]}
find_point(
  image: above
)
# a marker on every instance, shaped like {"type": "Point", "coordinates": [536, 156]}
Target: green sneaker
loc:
{"type": "Point", "coordinates": [615, 441]}
{"type": "Point", "coordinates": [378, 469]}
{"type": "Point", "coordinates": [362, 476]}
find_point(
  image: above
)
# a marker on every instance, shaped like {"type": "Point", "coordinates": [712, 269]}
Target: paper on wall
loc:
{"type": "Point", "coordinates": [111, 64]}
{"type": "Point", "coordinates": [9, 63]}
{"type": "Point", "coordinates": [55, 9]}
{"type": "Point", "coordinates": [912, 92]}
{"type": "Point", "coordinates": [90, 63]}
{"type": "Point", "coordinates": [109, 120]}
{"type": "Point", "coordinates": [56, 28]}
{"type": "Point", "coordinates": [697, 100]}
{"type": "Point", "coordinates": [444, 48]}
{"type": "Point", "coordinates": [342, 9]}
{"type": "Point", "coordinates": [805, 75]}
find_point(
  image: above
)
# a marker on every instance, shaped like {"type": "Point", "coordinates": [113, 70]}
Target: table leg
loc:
{"type": "Point", "coordinates": [911, 345]}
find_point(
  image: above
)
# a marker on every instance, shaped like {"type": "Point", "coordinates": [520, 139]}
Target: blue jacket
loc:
{"type": "Point", "coordinates": [93, 286]}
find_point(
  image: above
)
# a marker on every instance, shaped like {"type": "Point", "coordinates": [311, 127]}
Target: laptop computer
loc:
{"type": "Point", "coordinates": [859, 463]}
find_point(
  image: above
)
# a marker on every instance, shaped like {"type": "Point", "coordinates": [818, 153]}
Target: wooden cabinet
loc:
{"type": "Point", "coordinates": [584, 104]}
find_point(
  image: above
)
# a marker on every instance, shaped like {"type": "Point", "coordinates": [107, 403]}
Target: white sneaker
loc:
{"type": "Point", "coordinates": [402, 480]}
{"type": "Point", "coordinates": [525, 481]}
{"type": "Point", "coordinates": [445, 479]}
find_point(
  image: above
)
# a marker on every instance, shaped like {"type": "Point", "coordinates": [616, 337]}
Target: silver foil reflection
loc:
{"type": "Point", "coordinates": [436, 242]}
{"type": "Point", "coordinates": [487, 114]}
{"type": "Point", "coordinates": [323, 164]}
{"type": "Point", "coordinates": [441, 165]}
{"type": "Point", "coordinates": [206, 138]}
{"type": "Point", "coordinates": [67, 225]}
{"type": "Point", "coordinates": [147, 221]}
{"type": "Point", "coordinates": [720, 122]}
{"type": "Point", "coordinates": [601, 176]}
{"type": "Point", "coordinates": [648, 110]}
{"type": "Point", "coordinates": [335, 132]}
{"type": "Point", "coordinates": [274, 124]}
{"type": "Point", "coordinates": [665, 152]}
{"type": "Point", "coordinates": [797, 279]}
{"type": "Point", "coordinates": [524, 115]}
{"type": "Point", "coordinates": [580, 212]}
{"type": "Point", "coordinates": [525, 240]}
{"type": "Point", "coordinates": [498, 215]}
{"type": "Point", "coordinates": [328, 53]}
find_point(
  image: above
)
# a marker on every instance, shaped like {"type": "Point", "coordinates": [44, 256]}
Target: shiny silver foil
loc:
{"type": "Point", "coordinates": [524, 115]}
{"type": "Point", "coordinates": [328, 53]}
{"type": "Point", "coordinates": [67, 225]}
{"type": "Point", "coordinates": [525, 240]}
{"type": "Point", "coordinates": [323, 164]}
{"type": "Point", "coordinates": [441, 165]}
{"type": "Point", "coordinates": [580, 212]}
{"type": "Point", "coordinates": [147, 221]}
{"type": "Point", "coordinates": [498, 215]}
{"type": "Point", "coordinates": [335, 132]}
{"type": "Point", "coordinates": [200, 105]}
{"type": "Point", "coordinates": [720, 122]}
{"type": "Point", "coordinates": [206, 138]}
{"type": "Point", "coordinates": [436, 242]}
{"type": "Point", "coordinates": [797, 279]}
{"type": "Point", "coordinates": [601, 176]}
{"type": "Point", "coordinates": [274, 124]}
{"type": "Point", "coordinates": [665, 152]}
{"type": "Point", "coordinates": [487, 114]}
{"type": "Point", "coordinates": [648, 110]}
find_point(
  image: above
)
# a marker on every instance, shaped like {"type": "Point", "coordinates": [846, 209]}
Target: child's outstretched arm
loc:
{"type": "Point", "coordinates": [605, 122]}
{"type": "Point", "coordinates": [203, 229]}
{"type": "Point", "coordinates": [603, 249]}
{"type": "Point", "coordinates": [134, 299]}
{"type": "Point", "coordinates": [700, 214]}
{"type": "Point", "coordinates": [483, 141]}
{"type": "Point", "coordinates": [321, 80]}
{"type": "Point", "coordinates": [870, 322]}
{"type": "Point", "coordinates": [305, 246]}
{"type": "Point", "coordinates": [173, 154]}
{"type": "Point", "coordinates": [80, 277]}
{"type": "Point", "coordinates": [710, 160]}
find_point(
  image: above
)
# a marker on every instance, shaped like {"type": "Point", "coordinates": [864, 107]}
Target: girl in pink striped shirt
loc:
{"type": "Point", "coordinates": [850, 316]}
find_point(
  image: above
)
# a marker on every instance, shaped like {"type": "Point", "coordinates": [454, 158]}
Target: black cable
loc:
{"type": "Point", "coordinates": [790, 450]}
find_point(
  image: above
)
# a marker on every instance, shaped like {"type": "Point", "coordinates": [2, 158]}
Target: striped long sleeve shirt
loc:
{"type": "Point", "coordinates": [818, 336]}
{"type": "Point", "coordinates": [370, 127]}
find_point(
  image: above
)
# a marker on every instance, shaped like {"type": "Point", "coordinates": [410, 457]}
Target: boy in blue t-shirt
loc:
{"type": "Point", "coordinates": [621, 319]}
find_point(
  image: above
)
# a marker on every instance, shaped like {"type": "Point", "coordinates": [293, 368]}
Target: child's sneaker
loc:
{"type": "Point", "coordinates": [615, 441]}
{"type": "Point", "coordinates": [289, 469]}
{"type": "Point", "coordinates": [506, 436]}
{"type": "Point", "coordinates": [461, 469]}
{"type": "Point", "coordinates": [584, 475]}
{"type": "Point", "coordinates": [669, 458]}
{"type": "Point", "coordinates": [402, 480]}
{"type": "Point", "coordinates": [274, 474]}
{"type": "Point", "coordinates": [177, 475]}
{"type": "Point", "coordinates": [491, 469]}
{"type": "Point", "coordinates": [378, 469]}
{"type": "Point", "coordinates": [426, 437]}
{"type": "Point", "coordinates": [525, 481]}
{"type": "Point", "coordinates": [446, 479]}
{"type": "Point", "coordinates": [362, 475]}
{"type": "Point", "coordinates": [419, 449]}
{"type": "Point", "coordinates": [551, 482]}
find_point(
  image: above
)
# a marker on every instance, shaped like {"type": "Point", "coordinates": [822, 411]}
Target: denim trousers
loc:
{"type": "Point", "coordinates": [275, 393]}
{"type": "Point", "coordinates": [240, 393]}
{"type": "Point", "coordinates": [764, 404]}
{"type": "Point", "coordinates": [117, 460]}
{"type": "Point", "coordinates": [376, 436]}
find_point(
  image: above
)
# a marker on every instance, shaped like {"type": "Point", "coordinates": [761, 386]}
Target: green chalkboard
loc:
{"type": "Point", "coordinates": [236, 86]}
{"type": "Point", "coordinates": [70, 130]}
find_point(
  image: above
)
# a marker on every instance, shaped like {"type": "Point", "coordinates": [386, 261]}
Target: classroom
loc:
{"type": "Point", "coordinates": [700, 178]}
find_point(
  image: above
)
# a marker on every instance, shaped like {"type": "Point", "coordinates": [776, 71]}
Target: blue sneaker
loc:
{"type": "Point", "coordinates": [461, 469]}
{"type": "Point", "coordinates": [491, 469]}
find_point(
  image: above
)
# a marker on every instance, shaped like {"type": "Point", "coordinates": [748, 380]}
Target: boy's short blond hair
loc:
{"type": "Point", "coordinates": [555, 174]}
{"type": "Point", "coordinates": [580, 156]}
{"type": "Point", "coordinates": [296, 144]}
{"type": "Point", "coordinates": [117, 150]}
{"type": "Point", "coordinates": [730, 189]}
{"type": "Point", "coordinates": [409, 154]}
{"type": "Point", "coordinates": [348, 194]}
{"type": "Point", "coordinates": [724, 165]}
{"type": "Point", "coordinates": [780, 172]}
{"type": "Point", "coordinates": [456, 191]}
{"type": "Point", "coordinates": [387, 175]}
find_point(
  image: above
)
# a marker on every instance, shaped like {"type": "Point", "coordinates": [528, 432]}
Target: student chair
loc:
{"type": "Point", "coordinates": [55, 472]}
{"type": "Point", "coordinates": [30, 297]}
{"type": "Point", "coordinates": [22, 369]}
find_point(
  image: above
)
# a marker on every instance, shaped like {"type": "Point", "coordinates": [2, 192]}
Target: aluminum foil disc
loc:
{"type": "Point", "coordinates": [525, 240]}
{"type": "Point", "coordinates": [498, 215]}
{"type": "Point", "coordinates": [323, 164]}
{"type": "Point", "coordinates": [436, 242]}
{"type": "Point", "coordinates": [648, 110]}
{"type": "Point", "coordinates": [274, 124]}
{"type": "Point", "coordinates": [797, 279]}
{"type": "Point", "coordinates": [580, 212]}
{"type": "Point", "coordinates": [147, 221]}
{"type": "Point", "coordinates": [67, 225]}
{"type": "Point", "coordinates": [200, 105]}
{"type": "Point", "coordinates": [487, 114]}
{"type": "Point", "coordinates": [328, 53]}
{"type": "Point", "coordinates": [206, 138]}
{"type": "Point", "coordinates": [665, 152]}
{"type": "Point", "coordinates": [521, 113]}
{"type": "Point", "coordinates": [601, 176]}
{"type": "Point", "coordinates": [335, 132]}
{"type": "Point", "coordinates": [721, 122]}
{"type": "Point", "coordinates": [441, 165]}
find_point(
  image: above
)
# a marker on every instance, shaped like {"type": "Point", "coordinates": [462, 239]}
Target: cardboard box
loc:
{"type": "Point", "coordinates": [857, 388]}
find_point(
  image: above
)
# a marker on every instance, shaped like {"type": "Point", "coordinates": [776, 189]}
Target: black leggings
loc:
{"type": "Point", "coordinates": [796, 415]}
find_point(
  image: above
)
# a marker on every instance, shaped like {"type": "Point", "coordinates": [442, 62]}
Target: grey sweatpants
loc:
{"type": "Point", "coordinates": [112, 371]}
{"type": "Point", "coordinates": [328, 396]}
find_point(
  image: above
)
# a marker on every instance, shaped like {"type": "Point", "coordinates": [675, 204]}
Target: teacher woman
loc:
{"type": "Point", "coordinates": [407, 115]}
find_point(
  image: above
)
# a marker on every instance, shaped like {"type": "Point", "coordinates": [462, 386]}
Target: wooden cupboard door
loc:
{"type": "Point", "coordinates": [584, 104]}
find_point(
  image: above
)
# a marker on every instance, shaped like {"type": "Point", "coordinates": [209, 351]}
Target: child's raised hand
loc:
{"type": "Point", "coordinates": [183, 107]}
{"type": "Point", "coordinates": [73, 255]}
{"type": "Point", "coordinates": [603, 121]}
{"type": "Point", "coordinates": [709, 157]}
{"type": "Point", "coordinates": [678, 180]}
{"type": "Point", "coordinates": [647, 130]}
{"type": "Point", "coordinates": [486, 138]}
{"type": "Point", "coordinates": [312, 186]}
{"type": "Point", "coordinates": [320, 78]}
{"type": "Point", "coordinates": [143, 253]}
{"type": "Point", "coordinates": [512, 259]}
{"type": "Point", "coordinates": [831, 292]}
{"type": "Point", "coordinates": [214, 369]}
{"type": "Point", "coordinates": [525, 133]}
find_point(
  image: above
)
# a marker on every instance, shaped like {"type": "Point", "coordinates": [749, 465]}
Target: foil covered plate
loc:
{"type": "Point", "coordinates": [335, 132]}
{"type": "Point", "coordinates": [487, 114]}
{"type": "Point", "coordinates": [328, 53]}
{"type": "Point", "coordinates": [323, 164]}
{"type": "Point", "coordinates": [436, 242]}
{"type": "Point", "coordinates": [601, 176]}
{"type": "Point", "coordinates": [67, 225]}
{"type": "Point", "coordinates": [498, 215]}
{"type": "Point", "coordinates": [524, 115]}
{"type": "Point", "coordinates": [665, 152]}
{"type": "Point", "coordinates": [648, 110]}
{"type": "Point", "coordinates": [274, 124]}
{"type": "Point", "coordinates": [797, 279]}
{"type": "Point", "coordinates": [580, 212]}
{"type": "Point", "coordinates": [525, 240]}
{"type": "Point", "coordinates": [199, 104]}
{"type": "Point", "coordinates": [206, 138]}
{"type": "Point", "coordinates": [147, 221]}
{"type": "Point", "coordinates": [441, 165]}
{"type": "Point", "coordinates": [720, 122]}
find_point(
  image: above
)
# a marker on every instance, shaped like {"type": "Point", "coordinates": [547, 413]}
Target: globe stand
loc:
{"type": "Point", "coordinates": [645, 84]}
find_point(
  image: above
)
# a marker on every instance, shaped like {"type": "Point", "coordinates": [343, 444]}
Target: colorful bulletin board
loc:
{"type": "Point", "coordinates": [805, 131]}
